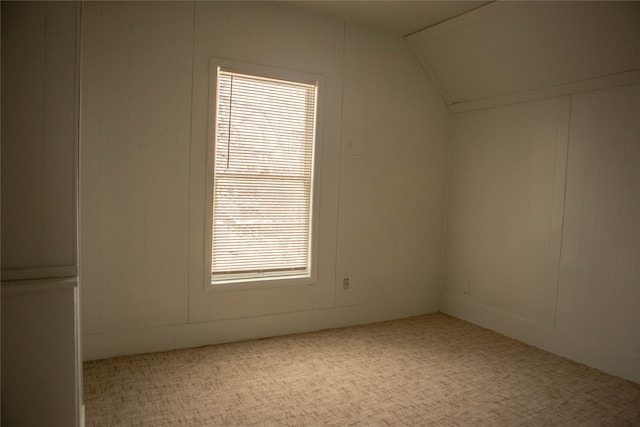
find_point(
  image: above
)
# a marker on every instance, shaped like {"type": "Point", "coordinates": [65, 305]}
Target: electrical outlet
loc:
{"type": "Point", "coordinates": [345, 283]}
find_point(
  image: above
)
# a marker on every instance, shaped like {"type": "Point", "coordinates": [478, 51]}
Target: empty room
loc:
{"type": "Point", "coordinates": [320, 213]}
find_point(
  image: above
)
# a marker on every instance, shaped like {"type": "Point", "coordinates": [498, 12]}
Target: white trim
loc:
{"type": "Point", "coordinates": [79, 383]}
{"type": "Point", "coordinates": [35, 273]}
{"type": "Point", "coordinates": [99, 345]}
{"type": "Point", "coordinates": [581, 349]}
{"type": "Point", "coordinates": [277, 73]}
{"type": "Point", "coordinates": [464, 20]}
{"type": "Point", "coordinates": [39, 285]}
{"type": "Point", "coordinates": [430, 73]}
{"type": "Point", "coordinates": [82, 415]}
{"type": "Point", "coordinates": [597, 83]}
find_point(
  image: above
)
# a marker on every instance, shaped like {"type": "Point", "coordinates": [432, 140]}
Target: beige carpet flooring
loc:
{"type": "Point", "coordinates": [428, 370]}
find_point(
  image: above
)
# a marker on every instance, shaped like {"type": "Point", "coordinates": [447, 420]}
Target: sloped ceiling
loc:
{"type": "Point", "coordinates": [516, 51]}
{"type": "Point", "coordinates": [483, 53]}
{"type": "Point", "coordinates": [395, 16]}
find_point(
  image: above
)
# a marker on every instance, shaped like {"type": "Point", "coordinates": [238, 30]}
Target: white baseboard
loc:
{"type": "Point", "coordinates": [82, 422]}
{"type": "Point", "coordinates": [580, 349]}
{"type": "Point", "coordinates": [101, 345]}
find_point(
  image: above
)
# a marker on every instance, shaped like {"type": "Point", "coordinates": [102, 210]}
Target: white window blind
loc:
{"type": "Point", "coordinates": [263, 178]}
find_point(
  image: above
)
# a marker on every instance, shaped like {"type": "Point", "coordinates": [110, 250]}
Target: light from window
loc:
{"type": "Point", "coordinates": [263, 178]}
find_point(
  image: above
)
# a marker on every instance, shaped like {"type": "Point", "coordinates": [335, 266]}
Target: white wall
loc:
{"type": "Point", "coordinates": [542, 222]}
{"type": "Point", "coordinates": [599, 286]}
{"type": "Point", "coordinates": [392, 177]}
{"type": "Point", "coordinates": [541, 203]}
{"type": "Point", "coordinates": [144, 136]}
{"type": "Point", "coordinates": [504, 212]}
{"type": "Point", "coordinates": [41, 377]}
{"type": "Point", "coordinates": [38, 132]}
{"type": "Point", "coordinates": [134, 182]}
{"type": "Point", "coordinates": [40, 369]}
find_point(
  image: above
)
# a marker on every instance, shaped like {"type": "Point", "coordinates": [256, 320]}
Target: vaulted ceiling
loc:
{"type": "Point", "coordinates": [398, 17]}
{"type": "Point", "coordinates": [482, 53]}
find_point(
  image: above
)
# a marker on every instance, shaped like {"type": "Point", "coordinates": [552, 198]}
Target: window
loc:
{"type": "Point", "coordinates": [262, 221]}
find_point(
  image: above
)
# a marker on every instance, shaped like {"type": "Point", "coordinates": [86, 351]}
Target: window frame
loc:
{"type": "Point", "coordinates": [276, 73]}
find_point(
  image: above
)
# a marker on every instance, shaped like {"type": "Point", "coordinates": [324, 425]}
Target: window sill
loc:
{"type": "Point", "coordinates": [261, 283]}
